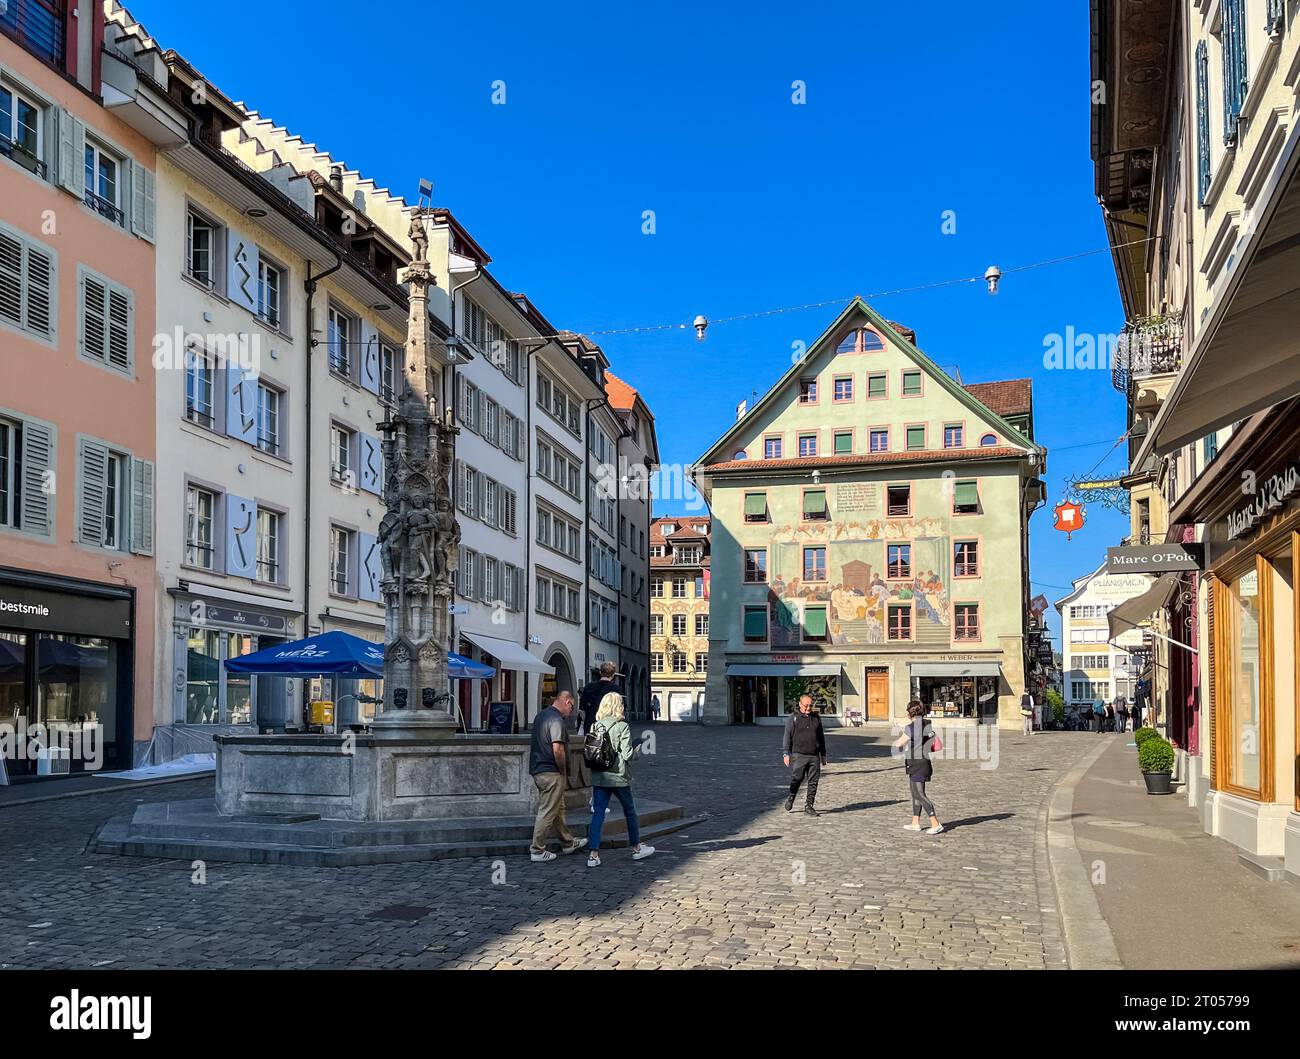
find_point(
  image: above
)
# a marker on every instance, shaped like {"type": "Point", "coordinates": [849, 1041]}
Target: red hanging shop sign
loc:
{"type": "Point", "coordinates": [1069, 517]}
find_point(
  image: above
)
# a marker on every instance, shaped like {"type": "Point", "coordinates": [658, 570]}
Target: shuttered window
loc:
{"type": "Point", "coordinates": [755, 624]}
{"type": "Point", "coordinates": [1202, 122]}
{"type": "Point", "coordinates": [107, 315]}
{"type": "Point", "coordinates": [1235, 76]}
{"type": "Point", "coordinates": [115, 498]}
{"type": "Point", "coordinates": [27, 474]}
{"type": "Point", "coordinates": [26, 285]}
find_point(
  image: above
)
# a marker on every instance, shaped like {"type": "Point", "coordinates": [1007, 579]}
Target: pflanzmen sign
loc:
{"type": "Point", "coordinates": [1270, 495]}
{"type": "Point", "coordinates": [1154, 558]}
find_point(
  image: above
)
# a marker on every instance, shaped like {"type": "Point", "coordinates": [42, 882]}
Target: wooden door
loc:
{"type": "Point", "coordinates": [877, 695]}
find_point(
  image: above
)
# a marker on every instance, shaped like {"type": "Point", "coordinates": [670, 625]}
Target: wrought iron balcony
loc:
{"type": "Point", "coordinates": [104, 208]}
{"type": "Point", "coordinates": [1148, 346]}
{"type": "Point", "coordinates": [20, 154]}
{"type": "Point", "coordinates": [37, 25]}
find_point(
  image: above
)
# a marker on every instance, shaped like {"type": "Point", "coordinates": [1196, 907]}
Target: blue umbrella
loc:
{"type": "Point", "coordinates": [338, 654]}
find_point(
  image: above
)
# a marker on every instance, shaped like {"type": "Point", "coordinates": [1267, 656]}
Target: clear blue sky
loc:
{"type": "Point", "coordinates": [685, 109]}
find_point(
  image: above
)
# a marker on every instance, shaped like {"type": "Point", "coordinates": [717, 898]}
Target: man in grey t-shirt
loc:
{"type": "Point", "coordinates": [549, 765]}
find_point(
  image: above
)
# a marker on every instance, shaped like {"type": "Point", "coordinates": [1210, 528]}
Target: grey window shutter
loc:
{"type": "Point", "coordinates": [38, 482]}
{"type": "Point", "coordinates": [142, 201]}
{"type": "Point", "coordinates": [11, 279]}
{"type": "Point", "coordinates": [460, 486]}
{"type": "Point", "coordinates": [462, 399]}
{"type": "Point", "coordinates": [482, 424]}
{"type": "Point", "coordinates": [480, 576]}
{"type": "Point", "coordinates": [39, 293]}
{"type": "Point", "coordinates": [142, 506]}
{"type": "Point", "coordinates": [94, 318]}
{"type": "Point", "coordinates": [120, 313]}
{"type": "Point", "coordinates": [92, 475]}
{"type": "Point", "coordinates": [72, 153]}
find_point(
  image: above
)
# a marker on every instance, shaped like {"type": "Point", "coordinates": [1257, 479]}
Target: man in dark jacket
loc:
{"type": "Point", "coordinates": [804, 752]}
{"type": "Point", "coordinates": [589, 703]}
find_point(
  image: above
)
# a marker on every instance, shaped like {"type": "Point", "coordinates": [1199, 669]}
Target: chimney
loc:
{"type": "Point", "coordinates": [336, 178]}
{"type": "Point", "coordinates": [741, 409]}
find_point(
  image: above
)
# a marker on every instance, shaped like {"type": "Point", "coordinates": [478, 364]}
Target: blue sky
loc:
{"type": "Point", "coordinates": [685, 109]}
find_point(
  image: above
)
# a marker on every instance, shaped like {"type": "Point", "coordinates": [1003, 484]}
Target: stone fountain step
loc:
{"type": "Point", "coordinates": [195, 831]}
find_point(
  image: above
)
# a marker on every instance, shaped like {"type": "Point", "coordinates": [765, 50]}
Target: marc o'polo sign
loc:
{"type": "Point", "coordinates": [1270, 494]}
{"type": "Point", "coordinates": [1154, 558]}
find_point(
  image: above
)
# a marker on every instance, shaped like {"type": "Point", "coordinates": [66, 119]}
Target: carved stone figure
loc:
{"type": "Point", "coordinates": [419, 239]}
{"type": "Point", "coordinates": [447, 550]}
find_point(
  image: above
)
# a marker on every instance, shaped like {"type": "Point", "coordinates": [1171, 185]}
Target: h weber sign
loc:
{"type": "Point", "coordinates": [1154, 558]}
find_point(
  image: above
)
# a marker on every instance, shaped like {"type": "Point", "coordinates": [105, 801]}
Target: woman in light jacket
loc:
{"type": "Point", "coordinates": [616, 781]}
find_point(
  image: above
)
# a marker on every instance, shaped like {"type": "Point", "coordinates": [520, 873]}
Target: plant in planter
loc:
{"type": "Point", "coordinates": [1143, 734]}
{"type": "Point", "coordinates": [1156, 760]}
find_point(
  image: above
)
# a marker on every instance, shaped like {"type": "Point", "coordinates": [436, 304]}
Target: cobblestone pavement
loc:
{"type": "Point", "coordinates": [752, 886]}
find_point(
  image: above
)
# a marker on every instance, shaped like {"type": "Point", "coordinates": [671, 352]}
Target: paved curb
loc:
{"type": "Point", "coordinates": [1089, 944]}
{"type": "Point", "coordinates": [110, 787]}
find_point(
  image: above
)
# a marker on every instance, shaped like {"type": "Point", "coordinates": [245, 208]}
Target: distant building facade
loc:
{"type": "Point", "coordinates": [680, 572]}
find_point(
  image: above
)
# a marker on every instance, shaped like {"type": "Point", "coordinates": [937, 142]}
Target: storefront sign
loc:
{"type": "Point", "coordinates": [787, 659]}
{"type": "Point", "coordinates": [1270, 495]}
{"type": "Point", "coordinates": [23, 607]}
{"type": "Point", "coordinates": [1154, 558]}
{"type": "Point", "coordinates": [1116, 588]}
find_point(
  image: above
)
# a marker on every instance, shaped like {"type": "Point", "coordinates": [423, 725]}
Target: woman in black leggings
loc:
{"type": "Point", "coordinates": [915, 746]}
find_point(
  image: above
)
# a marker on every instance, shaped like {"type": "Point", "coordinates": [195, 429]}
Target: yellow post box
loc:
{"type": "Point", "coordinates": [320, 712]}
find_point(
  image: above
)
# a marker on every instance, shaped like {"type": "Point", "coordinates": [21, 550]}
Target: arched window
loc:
{"type": "Point", "coordinates": [871, 342]}
{"type": "Point", "coordinates": [863, 340]}
{"type": "Point", "coordinates": [989, 439]}
{"type": "Point", "coordinates": [849, 344]}
{"type": "Point", "coordinates": [742, 455]}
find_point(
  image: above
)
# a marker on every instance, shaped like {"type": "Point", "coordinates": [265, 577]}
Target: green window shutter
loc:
{"type": "Point", "coordinates": [876, 386]}
{"type": "Point", "coordinates": [911, 382]}
{"type": "Point", "coordinates": [843, 444]}
{"type": "Point", "coordinates": [37, 499]}
{"type": "Point", "coordinates": [966, 494]}
{"type": "Point", "coordinates": [814, 623]}
{"type": "Point", "coordinates": [755, 623]}
{"type": "Point", "coordinates": [916, 437]}
{"type": "Point", "coordinates": [92, 478]}
{"type": "Point", "coordinates": [814, 503]}
{"type": "Point", "coordinates": [755, 505]}
{"type": "Point", "coordinates": [142, 475]}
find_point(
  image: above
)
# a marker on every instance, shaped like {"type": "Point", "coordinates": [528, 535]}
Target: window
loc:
{"type": "Point", "coordinates": [900, 623]}
{"type": "Point", "coordinates": [880, 441]}
{"type": "Point", "coordinates": [966, 561]}
{"type": "Point", "coordinates": [269, 283]}
{"type": "Point", "coordinates": [115, 489]}
{"type": "Point", "coordinates": [755, 566]}
{"type": "Point", "coordinates": [843, 388]}
{"type": "Point", "coordinates": [200, 508]}
{"type": "Point", "coordinates": [843, 443]}
{"type": "Point", "coordinates": [988, 439]}
{"type": "Point", "coordinates": [814, 564]}
{"type": "Point", "coordinates": [701, 625]}
{"type": "Point", "coordinates": [1203, 180]}
{"type": "Point", "coordinates": [807, 391]}
{"type": "Point", "coordinates": [26, 462]}
{"type": "Point", "coordinates": [911, 384]}
{"type": "Point", "coordinates": [679, 588]}
{"type": "Point", "coordinates": [898, 499]}
{"type": "Point", "coordinates": [898, 561]}
{"type": "Point", "coordinates": [341, 455]}
{"type": "Point", "coordinates": [21, 130]}
{"type": "Point", "coordinates": [656, 588]}
{"type": "Point", "coordinates": [268, 546]}
{"type": "Point", "coordinates": [340, 561]}
{"type": "Point", "coordinates": [268, 419]}
{"type": "Point", "coordinates": [26, 285]}
{"type": "Point", "coordinates": [755, 624]}
{"type": "Point", "coordinates": [103, 191]}
{"type": "Point", "coordinates": [954, 436]}
{"type": "Point", "coordinates": [10, 477]}
{"type": "Point", "coordinates": [915, 438]}
{"type": "Point", "coordinates": [807, 444]}
{"type": "Point", "coordinates": [863, 340]}
{"type": "Point", "coordinates": [656, 624]}
{"type": "Point", "coordinates": [871, 342]}
{"type": "Point", "coordinates": [814, 624]}
{"type": "Point", "coordinates": [755, 507]}
{"type": "Point", "coordinates": [338, 337]}
{"type": "Point", "coordinates": [701, 662]}
{"type": "Point", "coordinates": [966, 621]}
{"type": "Point", "coordinates": [679, 662]}
{"type": "Point", "coordinates": [814, 505]}
{"type": "Point", "coordinates": [200, 386]}
{"type": "Point", "coordinates": [200, 249]}
{"type": "Point", "coordinates": [1235, 76]}
{"type": "Point", "coordinates": [965, 498]}
{"type": "Point", "coordinates": [771, 448]}
{"type": "Point", "coordinates": [388, 374]}
{"type": "Point", "coordinates": [656, 662]}
{"type": "Point", "coordinates": [679, 624]}
{"type": "Point", "coordinates": [107, 322]}
{"type": "Point", "coordinates": [114, 498]}
{"type": "Point", "coordinates": [877, 386]}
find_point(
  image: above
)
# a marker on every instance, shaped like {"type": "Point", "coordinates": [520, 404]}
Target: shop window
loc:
{"type": "Point", "coordinates": [1246, 665]}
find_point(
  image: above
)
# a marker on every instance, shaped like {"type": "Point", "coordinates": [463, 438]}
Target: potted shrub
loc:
{"type": "Point", "coordinates": [1143, 734]}
{"type": "Point", "coordinates": [1156, 760]}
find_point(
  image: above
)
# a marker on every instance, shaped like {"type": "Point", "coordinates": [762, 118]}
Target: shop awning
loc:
{"type": "Point", "coordinates": [1132, 612]}
{"type": "Point", "coordinates": [509, 654]}
{"type": "Point", "coordinates": [956, 669]}
{"type": "Point", "coordinates": [791, 669]}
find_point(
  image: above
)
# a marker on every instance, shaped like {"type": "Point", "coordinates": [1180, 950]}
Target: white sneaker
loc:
{"type": "Point", "coordinates": [593, 859]}
{"type": "Point", "coordinates": [643, 852]}
{"type": "Point", "coordinates": [578, 843]}
{"type": "Point", "coordinates": [544, 855]}
{"type": "Point", "coordinates": [911, 827]}
{"type": "Point", "coordinates": [937, 829]}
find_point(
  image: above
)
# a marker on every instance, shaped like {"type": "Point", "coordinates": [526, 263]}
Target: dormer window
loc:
{"type": "Point", "coordinates": [807, 391]}
{"type": "Point", "coordinates": [669, 528]}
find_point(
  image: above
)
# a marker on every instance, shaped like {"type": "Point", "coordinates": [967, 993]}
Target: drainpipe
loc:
{"type": "Point", "coordinates": [310, 285]}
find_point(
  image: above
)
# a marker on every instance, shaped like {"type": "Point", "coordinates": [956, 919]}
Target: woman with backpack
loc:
{"type": "Point", "coordinates": [609, 752]}
{"type": "Point", "coordinates": [916, 744]}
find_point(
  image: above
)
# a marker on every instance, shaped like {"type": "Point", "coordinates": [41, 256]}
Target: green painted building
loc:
{"type": "Point", "coordinates": [870, 537]}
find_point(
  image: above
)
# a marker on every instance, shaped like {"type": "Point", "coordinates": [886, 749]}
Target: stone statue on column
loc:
{"type": "Point", "coordinates": [419, 535]}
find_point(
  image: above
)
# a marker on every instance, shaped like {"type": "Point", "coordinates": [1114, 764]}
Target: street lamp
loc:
{"type": "Point", "coordinates": [701, 325]}
{"type": "Point", "coordinates": [993, 276]}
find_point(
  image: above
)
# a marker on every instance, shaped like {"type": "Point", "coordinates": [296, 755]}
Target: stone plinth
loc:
{"type": "Point", "coordinates": [389, 777]}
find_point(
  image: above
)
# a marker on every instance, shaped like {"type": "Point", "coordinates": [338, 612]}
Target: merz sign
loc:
{"type": "Point", "coordinates": [1270, 495]}
{"type": "Point", "coordinates": [1154, 558]}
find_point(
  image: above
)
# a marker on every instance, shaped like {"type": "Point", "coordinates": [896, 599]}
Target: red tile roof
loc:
{"type": "Point", "coordinates": [867, 459]}
{"type": "Point", "coordinates": [620, 394]}
{"type": "Point", "coordinates": [1009, 397]}
{"type": "Point", "coordinates": [682, 522]}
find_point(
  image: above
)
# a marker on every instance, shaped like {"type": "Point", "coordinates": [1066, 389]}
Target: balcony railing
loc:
{"type": "Point", "coordinates": [37, 25]}
{"type": "Point", "coordinates": [1148, 346]}
{"type": "Point", "coordinates": [104, 208]}
{"type": "Point", "coordinates": [18, 153]}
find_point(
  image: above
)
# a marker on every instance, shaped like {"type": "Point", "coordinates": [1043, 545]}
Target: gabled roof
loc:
{"type": "Point", "coordinates": [621, 395]}
{"type": "Point", "coordinates": [822, 344]}
{"type": "Point", "coordinates": [1080, 586]}
{"type": "Point", "coordinates": [1009, 397]}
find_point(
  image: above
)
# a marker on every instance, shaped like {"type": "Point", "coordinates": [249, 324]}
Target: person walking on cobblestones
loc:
{"type": "Point", "coordinates": [548, 763]}
{"type": "Point", "coordinates": [804, 751]}
{"type": "Point", "coordinates": [1027, 713]}
{"type": "Point", "coordinates": [916, 743]}
{"type": "Point", "coordinates": [616, 780]}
